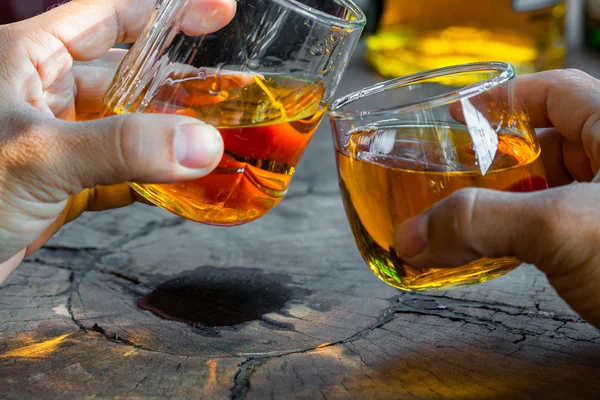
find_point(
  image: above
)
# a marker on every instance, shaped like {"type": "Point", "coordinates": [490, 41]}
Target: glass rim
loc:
{"type": "Point", "coordinates": [507, 72]}
{"type": "Point", "coordinates": [329, 19]}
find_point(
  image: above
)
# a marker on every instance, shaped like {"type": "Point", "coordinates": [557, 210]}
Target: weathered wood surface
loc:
{"type": "Point", "coordinates": [309, 319]}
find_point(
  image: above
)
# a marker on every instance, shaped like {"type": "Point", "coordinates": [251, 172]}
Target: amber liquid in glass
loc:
{"type": "Point", "coordinates": [418, 35]}
{"type": "Point", "coordinates": [266, 122]}
{"type": "Point", "coordinates": [381, 191]}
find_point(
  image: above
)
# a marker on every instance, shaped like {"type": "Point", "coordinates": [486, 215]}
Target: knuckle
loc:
{"type": "Point", "coordinates": [543, 220]}
{"type": "Point", "coordinates": [574, 73]}
{"type": "Point", "coordinates": [559, 203]}
{"type": "Point", "coordinates": [572, 76]}
{"type": "Point", "coordinates": [552, 219]}
{"type": "Point", "coordinates": [464, 204]}
{"type": "Point", "coordinates": [555, 209]}
{"type": "Point", "coordinates": [127, 147]}
{"type": "Point", "coordinates": [459, 206]}
{"type": "Point", "coordinates": [568, 81]}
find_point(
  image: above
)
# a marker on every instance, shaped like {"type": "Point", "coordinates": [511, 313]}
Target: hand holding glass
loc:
{"type": "Point", "coordinates": [406, 144]}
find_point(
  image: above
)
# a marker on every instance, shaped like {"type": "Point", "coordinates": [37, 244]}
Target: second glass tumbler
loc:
{"type": "Point", "coordinates": [265, 81]}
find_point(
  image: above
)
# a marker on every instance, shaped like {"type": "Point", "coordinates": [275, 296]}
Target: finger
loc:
{"type": "Point", "coordinates": [89, 28]}
{"type": "Point", "coordinates": [68, 157]}
{"type": "Point", "coordinates": [577, 162]}
{"type": "Point", "coordinates": [564, 161]}
{"type": "Point", "coordinates": [141, 148]}
{"type": "Point", "coordinates": [92, 79]}
{"type": "Point", "coordinates": [496, 105]}
{"type": "Point", "coordinates": [557, 173]}
{"type": "Point", "coordinates": [544, 228]}
{"type": "Point", "coordinates": [568, 100]}
{"type": "Point", "coordinates": [7, 267]}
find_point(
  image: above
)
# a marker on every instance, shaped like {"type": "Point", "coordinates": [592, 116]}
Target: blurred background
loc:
{"type": "Point", "coordinates": [407, 36]}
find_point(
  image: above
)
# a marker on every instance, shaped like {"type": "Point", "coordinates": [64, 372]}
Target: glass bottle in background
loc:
{"type": "Point", "coordinates": [592, 24]}
{"type": "Point", "coordinates": [413, 36]}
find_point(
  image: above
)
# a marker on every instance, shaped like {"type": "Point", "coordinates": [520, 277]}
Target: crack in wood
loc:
{"type": "Point", "coordinates": [472, 303]}
{"type": "Point", "coordinates": [78, 273]}
{"type": "Point", "coordinates": [128, 278]}
{"type": "Point", "coordinates": [97, 253]}
{"type": "Point", "coordinates": [241, 379]}
{"type": "Point", "coordinates": [277, 325]}
{"type": "Point", "coordinates": [422, 305]}
{"type": "Point", "coordinates": [74, 288]}
{"type": "Point", "coordinates": [115, 338]}
{"type": "Point", "coordinates": [149, 228]}
{"type": "Point", "coordinates": [521, 339]}
{"type": "Point", "coordinates": [65, 292]}
{"type": "Point", "coordinates": [68, 249]}
{"type": "Point", "coordinates": [430, 306]}
{"type": "Point", "coordinates": [76, 278]}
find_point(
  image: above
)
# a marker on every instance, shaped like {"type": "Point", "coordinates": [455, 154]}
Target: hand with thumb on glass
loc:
{"type": "Point", "coordinates": [558, 230]}
{"type": "Point", "coordinates": [54, 70]}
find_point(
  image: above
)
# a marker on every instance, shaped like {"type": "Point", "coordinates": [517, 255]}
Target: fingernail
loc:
{"type": "Point", "coordinates": [197, 145]}
{"type": "Point", "coordinates": [208, 20]}
{"type": "Point", "coordinates": [411, 236]}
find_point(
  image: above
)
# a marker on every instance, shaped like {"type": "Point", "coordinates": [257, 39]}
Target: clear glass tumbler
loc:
{"type": "Point", "coordinates": [406, 144]}
{"type": "Point", "coordinates": [265, 81]}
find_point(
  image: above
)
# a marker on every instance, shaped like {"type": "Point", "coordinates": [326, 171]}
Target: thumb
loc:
{"type": "Point", "coordinates": [551, 228]}
{"type": "Point", "coordinates": [141, 148]}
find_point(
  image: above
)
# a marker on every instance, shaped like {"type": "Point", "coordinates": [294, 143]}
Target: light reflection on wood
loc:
{"type": "Point", "coordinates": [38, 350]}
{"type": "Point", "coordinates": [129, 353]}
{"type": "Point", "coordinates": [211, 382]}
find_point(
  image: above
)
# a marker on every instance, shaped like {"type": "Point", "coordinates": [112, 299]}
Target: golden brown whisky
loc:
{"type": "Point", "coordinates": [380, 191]}
{"type": "Point", "coordinates": [266, 123]}
{"type": "Point", "coordinates": [418, 35]}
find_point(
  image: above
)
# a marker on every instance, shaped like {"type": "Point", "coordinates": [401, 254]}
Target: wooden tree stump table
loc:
{"type": "Point", "coordinates": [280, 308]}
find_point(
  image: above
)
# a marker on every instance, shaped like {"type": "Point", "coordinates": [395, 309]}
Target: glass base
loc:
{"type": "Point", "coordinates": [423, 279]}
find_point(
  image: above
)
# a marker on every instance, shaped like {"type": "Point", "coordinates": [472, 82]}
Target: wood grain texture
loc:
{"type": "Point", "coordinates": [70, 325]}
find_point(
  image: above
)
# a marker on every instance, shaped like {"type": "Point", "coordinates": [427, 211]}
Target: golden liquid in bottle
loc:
{"type": "Point", "coordinates": [380, 192]}
{"type": "Point", "coordinates": [415, 36]}
{"type": "Point", "coordinates": [266, 122]}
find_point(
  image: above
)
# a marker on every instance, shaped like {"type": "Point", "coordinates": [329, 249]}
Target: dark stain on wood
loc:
{"type": "Point", "coordinates": [222, 297]}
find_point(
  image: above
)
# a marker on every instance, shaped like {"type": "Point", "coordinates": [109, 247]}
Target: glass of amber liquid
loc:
{"type": "Point", "coordinates": [265, 81]}
{"type": "Point", "coordinates": [406, 144]}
